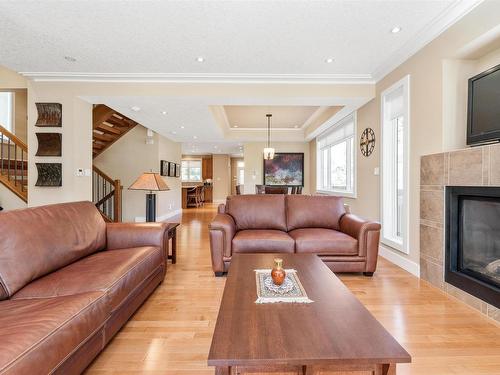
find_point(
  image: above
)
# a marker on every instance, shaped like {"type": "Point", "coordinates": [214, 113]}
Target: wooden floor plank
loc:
{"type": "Point", "coordinates": [172, 331]}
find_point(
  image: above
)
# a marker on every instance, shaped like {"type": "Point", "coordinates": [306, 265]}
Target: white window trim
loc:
{"type": "Point", "coordinates": [341, 193]}
{"type": "Point", "coordinates": [12, 124]}
{"type": "Point", "coordinates": [201, 170]}
{"type": "Point", "coordinates": [404, 245]}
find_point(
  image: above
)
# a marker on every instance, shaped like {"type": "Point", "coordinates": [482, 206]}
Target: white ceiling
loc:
{"type": "Point", "coordinates": [240, 41]}
{"type": "Point", "coordinates": [236, 38]}
{"type": "Point", "coordinates": [254, 117]}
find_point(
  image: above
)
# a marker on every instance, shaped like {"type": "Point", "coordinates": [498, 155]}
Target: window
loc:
{"type": "Point", "coordinates": [6, 110]}
{"type": "Point", "coordinates": [240, 166]}
{"type": "Point", "coordinates": [395, 149]}
{"type": "Point", "coordinates": [191, 170]}
{"type": "Point", "coordinates": [336, 167]}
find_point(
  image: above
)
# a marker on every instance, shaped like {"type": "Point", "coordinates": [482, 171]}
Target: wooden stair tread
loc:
{"type": "Point", "coordinates": [109, 129]}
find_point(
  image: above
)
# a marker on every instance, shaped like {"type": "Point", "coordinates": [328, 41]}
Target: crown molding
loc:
{"type": "Point", "coordinates": [199, 78]}
{"type": "Point", "coordinates": [443, 21]}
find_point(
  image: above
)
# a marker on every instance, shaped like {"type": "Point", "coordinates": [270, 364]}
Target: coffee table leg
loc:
{"type": "Point", "coordinates": [226, 370]}
{"type": "Point", "coordinates": [386, 369]}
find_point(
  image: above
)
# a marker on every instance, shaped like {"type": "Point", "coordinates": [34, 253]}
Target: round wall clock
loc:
{"type": "Point", "coordinates": [367, 142]}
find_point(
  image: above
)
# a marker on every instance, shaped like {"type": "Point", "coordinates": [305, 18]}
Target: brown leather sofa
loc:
{"type": "Point", "coordinates": [68, 283]}
{"type": "Point", "coordinates": [294, 224]}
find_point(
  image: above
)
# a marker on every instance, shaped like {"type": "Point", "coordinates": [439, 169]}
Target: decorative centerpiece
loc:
{"type": "Point", "coordinates": [278, 274]}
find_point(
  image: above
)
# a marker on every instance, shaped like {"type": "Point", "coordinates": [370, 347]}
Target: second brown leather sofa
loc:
{"type": "Point", "coordinates": [68, 283]}
{"type": "Point", "coordinates": [294, 223]}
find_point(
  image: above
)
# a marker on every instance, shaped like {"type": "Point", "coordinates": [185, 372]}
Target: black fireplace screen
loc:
{"type": "Point", "coordinates": [479, 242]}
{"type": "Point", "coordinates": [473, 241]}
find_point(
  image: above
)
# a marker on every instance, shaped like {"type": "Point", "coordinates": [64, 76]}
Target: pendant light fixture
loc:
{"type": "Point", "coordinates": [269, 151]}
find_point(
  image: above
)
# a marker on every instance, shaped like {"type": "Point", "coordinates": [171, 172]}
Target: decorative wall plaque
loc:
{"type": "Point", "coordinates": [49, 174]}
{"type": "Point", "coordinates": [49, 114]}
{"type": "Point", "coordinates": [49, 144]}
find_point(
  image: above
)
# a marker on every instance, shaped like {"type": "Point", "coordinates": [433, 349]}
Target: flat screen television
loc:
{"type": "Point", "coordinates": [483, 109]}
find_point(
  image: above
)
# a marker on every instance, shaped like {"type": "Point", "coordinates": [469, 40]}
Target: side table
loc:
{"type": "Point", "coordinates": [172, 235]}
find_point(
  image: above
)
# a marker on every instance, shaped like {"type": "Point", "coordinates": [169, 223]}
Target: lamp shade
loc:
{"type": "Point", "coordinates": [269, 153]}
{"type": "Point", "coordinates": [149, 181]}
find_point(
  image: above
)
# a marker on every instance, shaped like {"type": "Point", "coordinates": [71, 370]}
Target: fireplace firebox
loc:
{"type": "Point", "coordinates": [472, 250]}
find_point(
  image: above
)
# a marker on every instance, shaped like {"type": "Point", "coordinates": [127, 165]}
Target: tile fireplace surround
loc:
{"type": "Point", "coordinates": [478, 166]}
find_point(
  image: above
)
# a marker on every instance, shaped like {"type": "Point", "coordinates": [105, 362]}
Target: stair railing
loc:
{"type": "Point", "coordinates": [13, 163]}
{"type": "Point", "coordinates": [107, 195]}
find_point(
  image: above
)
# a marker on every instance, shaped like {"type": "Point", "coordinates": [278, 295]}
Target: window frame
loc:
{"type": "Point", "coordinates": [189, 161]}
{"type": "Point", "coordinates": [11, 126]}
{"type": "Point", "coordinates": [351, 163]}
{"type": "Point", "coordinates": [386, 151]}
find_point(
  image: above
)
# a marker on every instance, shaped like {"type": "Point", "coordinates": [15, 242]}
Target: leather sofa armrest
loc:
{"type": "Point", "coordinates": [367, 233]}
{"type": "Point", "coordinates": [126, 235]}
{"type": "Point", "coordinates": [222, 230]}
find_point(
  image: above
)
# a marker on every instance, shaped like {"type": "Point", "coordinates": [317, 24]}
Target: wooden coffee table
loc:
{"type": "Point", "coordinates": [335, 332]}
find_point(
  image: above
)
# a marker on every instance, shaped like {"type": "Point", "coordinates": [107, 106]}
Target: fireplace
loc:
{"type": "Point", "coordinates": [472, 257]}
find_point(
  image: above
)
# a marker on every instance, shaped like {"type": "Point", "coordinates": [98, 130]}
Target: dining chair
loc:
{"type": "Point", "coordinates": [259, 189]}
{"type": "Point", "coordinates": [276, 189]}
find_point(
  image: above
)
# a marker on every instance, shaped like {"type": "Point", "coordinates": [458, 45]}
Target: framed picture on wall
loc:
{"type": "Point", "coordinates": [286, 169]}
{"type": "Point", "coordinates": [177, 170]}
{"type": "Point", "coordinates": [171, 169]}
{"type": "Point", "coordinates": [163, 168]}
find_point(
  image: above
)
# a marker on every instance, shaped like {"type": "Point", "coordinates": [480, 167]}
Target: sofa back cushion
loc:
{"type": "Point", "coordinates": [40, 240]}
{"type": "Point", "coordinates": [306, 211]}
{"type": "Point", "coordinates": [258, 211]}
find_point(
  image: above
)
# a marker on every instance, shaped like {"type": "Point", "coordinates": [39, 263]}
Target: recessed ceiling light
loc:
{"type": "Point", "coordinates": [200, 59]}
{"type": "Point", "coordinates": [395, 29]}
{"type": "Point", "coordinates": [215, 146]}
{"type": "Point", "coordinates": [182, 126]}
{"type": "Point", "coordinates": [174, 132]}
{"type": "Point", "coordinates": [135, 108]}
{"type": "Point", "coordinates": [235, 126]}
{"type": "Point", "coordinates": [195, 137]}
{"type": "Point", "coordinates": [163, 112]}
{"type": "Point", "coordinates": [329, 60]}
{"type": "Point", "coordinates": [69, 58]}
{"type": "Point", "coordinates": [296, 126]}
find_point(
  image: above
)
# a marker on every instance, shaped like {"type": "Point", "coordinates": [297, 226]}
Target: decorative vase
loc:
{"type": "Point", "coordinates": [278, 273]}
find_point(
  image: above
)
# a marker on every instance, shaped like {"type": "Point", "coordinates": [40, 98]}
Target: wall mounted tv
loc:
{"type": "Point", "coordinates": [483, 110]}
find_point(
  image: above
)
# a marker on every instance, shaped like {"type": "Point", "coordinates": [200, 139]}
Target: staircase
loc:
{"type": "Point", "coordinates": [14, 164]}
{"type": "Point", "coordinates": [108, 127]}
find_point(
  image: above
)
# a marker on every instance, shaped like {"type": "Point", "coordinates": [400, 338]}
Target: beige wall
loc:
{"type": "Point", "coordinates": [169, 202]}
{"type": "Point", "coordinates": [221, 177]}
{"type": "Point", "coordinates": [119, 162]}
{"type": "Point", "coordinates": [367, 203]}
{"type": "Point", "coordinates": [76, 144]}
{"type": "Point", "coordinates": [428, 134]}
{"type": "Point", "coordinates": [253, 157]}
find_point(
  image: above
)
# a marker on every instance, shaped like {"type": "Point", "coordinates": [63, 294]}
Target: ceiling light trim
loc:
{"type": "Point", "coordinates": [199, 77]}
{"type": "Point", "coordinates": [449, 16]}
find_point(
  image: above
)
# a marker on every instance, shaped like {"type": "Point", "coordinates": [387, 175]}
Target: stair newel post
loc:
{"type": "Point", "coordinates": [117, 206]}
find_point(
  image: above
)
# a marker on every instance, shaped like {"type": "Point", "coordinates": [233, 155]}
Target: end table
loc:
{"type": "Point", "coordinates": [172, 235]}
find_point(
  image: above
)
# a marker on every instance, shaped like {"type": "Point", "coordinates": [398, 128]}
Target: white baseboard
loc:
{"type": "Point", "coordinates": [398, 260]}
{"type": "Point", "coordinates": [219, 201]}
{"type": "Point", "coordinates": [142, 219]}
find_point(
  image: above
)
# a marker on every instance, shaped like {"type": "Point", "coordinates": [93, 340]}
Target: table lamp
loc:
{"type": "Point", "coordinates": [150, 181]}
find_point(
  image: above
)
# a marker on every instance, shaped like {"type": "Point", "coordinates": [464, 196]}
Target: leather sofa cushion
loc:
{"type": "Point", "coordinates": [43, 239]}
{"type": "Point", "coordinates": [37, 334]}
{"type": "Point", "coordinates": [257, 211]}
{"type": "Point", "coordinates": [306, 211]}
{"type": "Point", "coordinates": [114, 272]}
{"type": "Point", "coordinates": [323, 242]}
{"type": "Point", "coordinates": [262, 241]}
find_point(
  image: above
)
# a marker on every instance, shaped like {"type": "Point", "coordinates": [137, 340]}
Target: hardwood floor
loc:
{"type": "Point", "coordinates": [172, 331]}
